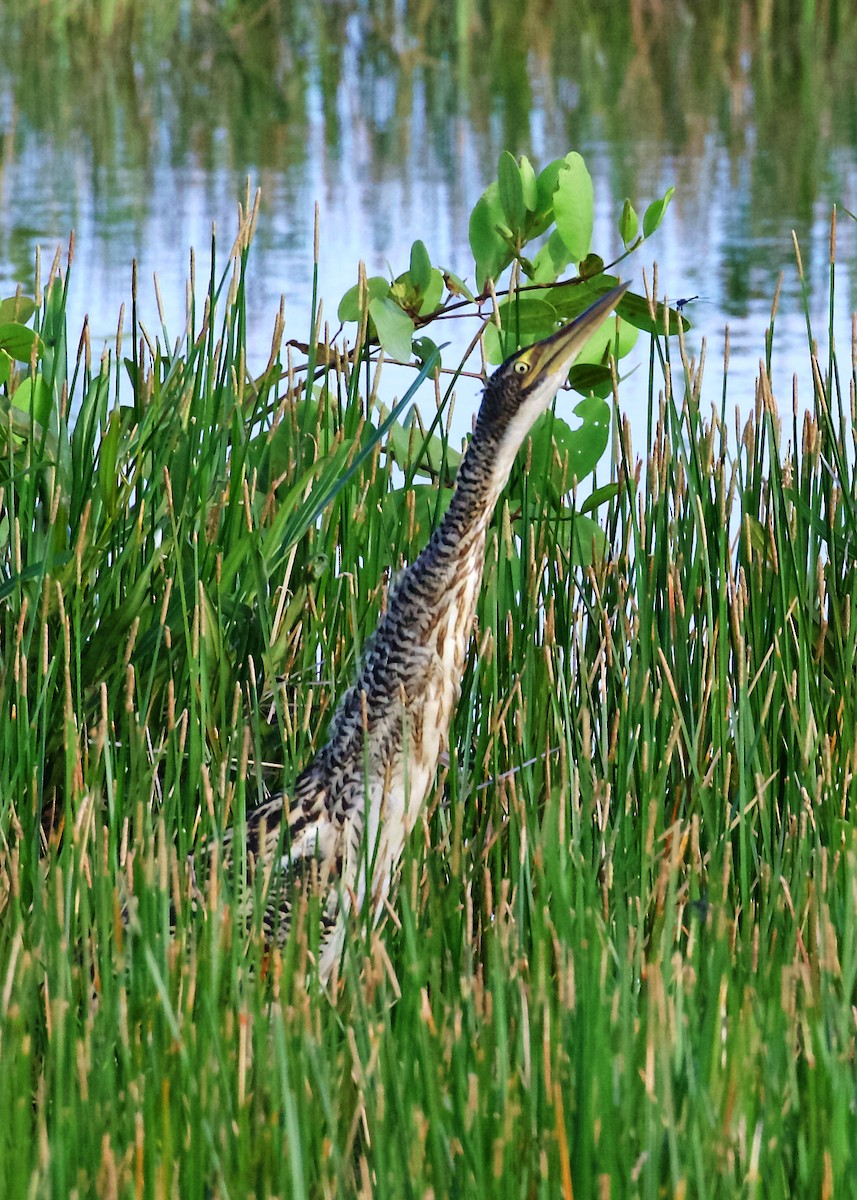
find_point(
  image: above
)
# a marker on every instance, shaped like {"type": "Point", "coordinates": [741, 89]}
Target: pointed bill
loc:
{"type": "Point", "coordinates": [555, 354]}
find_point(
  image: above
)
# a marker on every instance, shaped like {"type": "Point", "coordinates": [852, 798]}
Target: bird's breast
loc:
{"type": "Point", "coordinates": [432, 702]}
{"type": "Point", "coordinates": [408, 691]}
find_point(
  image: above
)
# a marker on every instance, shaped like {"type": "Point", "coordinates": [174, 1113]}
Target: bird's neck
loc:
{"type": "Point", "coordinates": [482, 475]}
{"type": "Point", "coordinates": [487, 464]}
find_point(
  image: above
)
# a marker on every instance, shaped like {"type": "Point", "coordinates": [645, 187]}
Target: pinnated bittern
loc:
{"type": "Point", "coordinates": [355, 805]}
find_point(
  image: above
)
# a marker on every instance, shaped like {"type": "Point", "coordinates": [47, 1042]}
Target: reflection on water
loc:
{"type": "Point", "coordinates": [137, 126]}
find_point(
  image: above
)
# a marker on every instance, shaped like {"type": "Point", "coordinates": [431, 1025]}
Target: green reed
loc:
{"type": "Point", "coordinates": [623, 955]}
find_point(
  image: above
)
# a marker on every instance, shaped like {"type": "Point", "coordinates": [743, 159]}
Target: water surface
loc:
{"type": "Point", "coordinates": [139, 133]}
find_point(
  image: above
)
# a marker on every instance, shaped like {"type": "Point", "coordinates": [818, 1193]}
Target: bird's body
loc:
{"type": "Point", "coordinates": [356, 803]}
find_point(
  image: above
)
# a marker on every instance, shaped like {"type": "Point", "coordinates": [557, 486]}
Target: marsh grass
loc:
{"type": "Point", "coordinates": [623, 956]}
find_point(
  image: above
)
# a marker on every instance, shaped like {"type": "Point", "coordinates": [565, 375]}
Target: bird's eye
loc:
{"type": "Point", "coordinates": [521, 367]}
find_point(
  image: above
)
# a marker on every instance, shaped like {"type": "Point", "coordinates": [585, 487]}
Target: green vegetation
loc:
{"type": "Point", "coordinates": [623, 958]}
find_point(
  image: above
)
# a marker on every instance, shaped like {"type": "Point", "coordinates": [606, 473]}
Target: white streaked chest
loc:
{"type": "Point", "coordinates": [395, 804]}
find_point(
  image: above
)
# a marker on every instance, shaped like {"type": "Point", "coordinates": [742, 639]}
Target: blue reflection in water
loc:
{"type": "Point", "coordinates": [394, 132]}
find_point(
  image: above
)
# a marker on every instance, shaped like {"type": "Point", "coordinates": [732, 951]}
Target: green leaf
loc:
{"type": "Point", "coordinates": [526, 316]}
{"type": "Point", "coordinates": [83, 438]}
{"type": "Point", "coordinates": [407, 440]}
{"type": "Point", "coordinates": [589, 377]}
{"type": "Point", "coordinates": [349, 306]}
{"type": "Point", "coordinates": [551, 260]}
{"type": "Point", "coordinates": [603, 343]}
{"type": "Point", "coordinates": [18, 309]}
{"type": "Point", "coordinates": [511, 191]}
{"type": "Point", "coordinates": [570, 302]}
{"type": "Point", "coordinates": [628, 223]}
{"type": "Point", "coordinates": [34, 570]}
{"type": "Point", "coordinates": [591, 266]}
{"type": "Point", "coordinates": [423, 300]}
{"type": "Point", "coordinates": [546, 186]}
{"type": "Point", "coordinates": [524, 319]}
{"type": "Point", "coordinates": [420, 266]}
{"type": "Point", "coordinates": [586, 445]}
{"type": "Point", "coordinates": [395, 328]}
{"type": "Point", "coordinates": [635, 310]}
{"type": "Point", "coordinates": [132, 370]}
{"type": "Point", "coordinates": [588, 541]}
{"type": "Point", "coordinates": [5, 367]}
{"type": "Point", "coordinates": [107, 455]}
{"type": "Point", "coordinates": [433, 294]}
{"type": "Point", "coordinates": [599, 496]}
{"type": "Point", "coordinates": [18, 341]}
{"type": "Point", "coordinates": [574, 206]}
{"type": "Point", "coordinates": [755, 536]}
{"type": "Point", "coordinates": [296, 444]}
{"type": "Point", "coordinates": [529, 184]}
{"type": "Point", "coordinates": [427, 503]}
{"type": "Point", "coordinates": [560, 455]}
{"type": "Point", "coordinates": [35, 395]}
{"type": "Point", "coordinates": [11, 418]}
{"type": "Point", "coordinates": [655, 213]}
{"type": "Point", "coordinates": [423, 347]}
{"type": "Point", "coordinates": [490, 250]}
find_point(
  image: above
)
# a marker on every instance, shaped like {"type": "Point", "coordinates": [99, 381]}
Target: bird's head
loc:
{"type": "Point", "coordinates": [521, 389]}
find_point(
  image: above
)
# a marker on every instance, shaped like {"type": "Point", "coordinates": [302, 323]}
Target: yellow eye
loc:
{"type": "Point", "coordinates": [521, 367]}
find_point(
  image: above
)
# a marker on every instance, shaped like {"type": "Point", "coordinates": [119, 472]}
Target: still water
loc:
{"type": "Point", "coordinates": [139, 132]}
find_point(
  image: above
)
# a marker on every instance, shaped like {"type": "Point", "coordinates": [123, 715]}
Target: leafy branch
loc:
{"type": "Point", "coordinates": [552, 211]}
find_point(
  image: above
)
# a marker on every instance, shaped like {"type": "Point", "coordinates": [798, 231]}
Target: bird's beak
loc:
{"type": "Point", "coordinates": [555, 354]}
